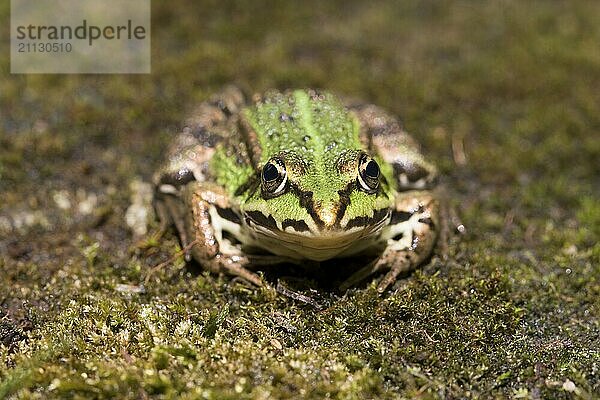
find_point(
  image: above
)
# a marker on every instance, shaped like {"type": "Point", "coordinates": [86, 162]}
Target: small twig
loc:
{"type": "Point", "coordinates": [292, 294]}
{"type": "Point", "coordinates": [458, 149]}
{"type": "Point", "coordinates": [126, 356]}
{"type": "Point", "coordinates": [170, 260]}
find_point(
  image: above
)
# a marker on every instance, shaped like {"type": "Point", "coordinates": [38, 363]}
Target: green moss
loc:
{"type": "Point", "coordinates": [513, 312]}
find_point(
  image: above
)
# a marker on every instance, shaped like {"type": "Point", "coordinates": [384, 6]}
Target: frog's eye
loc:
{"type": "Point", "coordinates": [274, 177]}
{"type": "Point", "coordinates": [368, 174]}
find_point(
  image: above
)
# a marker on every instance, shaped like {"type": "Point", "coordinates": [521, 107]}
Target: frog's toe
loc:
{"type": "Point", "coordinates": [235, 266]}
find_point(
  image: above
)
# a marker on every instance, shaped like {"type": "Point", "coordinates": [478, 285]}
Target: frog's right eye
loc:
{"type": "Point", "coordinates": [368, 174]}
{"type": "Point", "coordinates": [273, 177]}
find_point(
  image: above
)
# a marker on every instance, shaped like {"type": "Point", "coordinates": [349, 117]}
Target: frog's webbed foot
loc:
{"type": "Point", "coordinates": [192, 210]}
{"type": "Point", "coordinates": [203, 201]}
{"type": "Point", "coordinates": [409, 242]}
{"type": "Point", "coordinates": [235, 266]}
{"type": "Point", "coordinates": [450, 224]}
{"type": "Point", "coordinates": [169, 209]}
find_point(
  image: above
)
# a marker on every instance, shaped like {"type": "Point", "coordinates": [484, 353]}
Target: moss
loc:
{"type": "Point", "coordinates": [504, 99]}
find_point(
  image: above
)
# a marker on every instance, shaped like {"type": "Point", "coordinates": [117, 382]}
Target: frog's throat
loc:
{"type": "Point", "coordinates": [316, 245]}
{"type": "Point", "coordinates": [295, 239]}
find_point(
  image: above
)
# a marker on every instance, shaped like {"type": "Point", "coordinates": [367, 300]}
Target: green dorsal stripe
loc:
{"type": "Point", "coordinates": [304, 106]}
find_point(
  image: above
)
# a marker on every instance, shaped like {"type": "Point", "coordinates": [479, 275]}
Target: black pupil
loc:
{"type": "Point", "coordinates": [270, 172]}
{"type": "Point", "coordinates": [372, 169]}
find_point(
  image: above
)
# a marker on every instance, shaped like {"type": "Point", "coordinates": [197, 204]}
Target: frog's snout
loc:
{"type": "Point", "coordinates": [326, 214]}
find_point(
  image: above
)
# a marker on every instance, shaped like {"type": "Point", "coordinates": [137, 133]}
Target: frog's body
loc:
{"type": "Point", "coordinates": [299, 176]}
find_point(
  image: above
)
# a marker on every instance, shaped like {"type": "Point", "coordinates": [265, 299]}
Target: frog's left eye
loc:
{"type": "Point", "coordinates": [368, 174]}
{"type": "Point", "coordinates": [273, 177]}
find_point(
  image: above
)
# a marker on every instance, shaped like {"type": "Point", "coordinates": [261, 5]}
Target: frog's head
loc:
{"type": "Point", "coordinates": [319, 207]}
{"type": "Point", "coordinates": [320, 192]}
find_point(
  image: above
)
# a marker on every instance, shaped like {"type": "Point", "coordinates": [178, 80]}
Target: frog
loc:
{"type": "Point", "coordinates": [298, 176]}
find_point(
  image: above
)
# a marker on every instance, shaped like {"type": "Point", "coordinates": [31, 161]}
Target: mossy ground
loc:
{"type": "Point", "coordinates": [504, 97]}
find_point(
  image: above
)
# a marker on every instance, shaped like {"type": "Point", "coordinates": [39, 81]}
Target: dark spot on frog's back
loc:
{"type": "Point", "coordinates": [283, 117]}
{"type": "Point", "coordinates": [178, 178]}
{"type": "Point", "coordinates": [223, 107]}
{"type": "Point", "coordinates": [315, 95]}
{"type": "Point", "coordinates": [205, 137]}
{"type": "Point", "coordinates": [261, 219]}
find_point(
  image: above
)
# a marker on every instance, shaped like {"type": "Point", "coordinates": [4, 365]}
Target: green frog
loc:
{"type": "Point", "coordinates": [294, 176]}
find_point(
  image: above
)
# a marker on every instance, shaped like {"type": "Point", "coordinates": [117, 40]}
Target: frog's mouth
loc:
{"type": "Point", "coordinates": [299, 240]}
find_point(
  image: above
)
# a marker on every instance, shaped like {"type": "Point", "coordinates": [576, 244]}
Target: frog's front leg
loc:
{"type": "Point", "coordinates": [195, 213]}
{"type": "Point", "coordinates": [410, 238]}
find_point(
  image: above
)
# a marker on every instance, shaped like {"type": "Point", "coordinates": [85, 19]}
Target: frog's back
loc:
{"type": "Point", "coordinates": [232, 139]}
{"type": "Point", "coordinates": [314, 124]}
